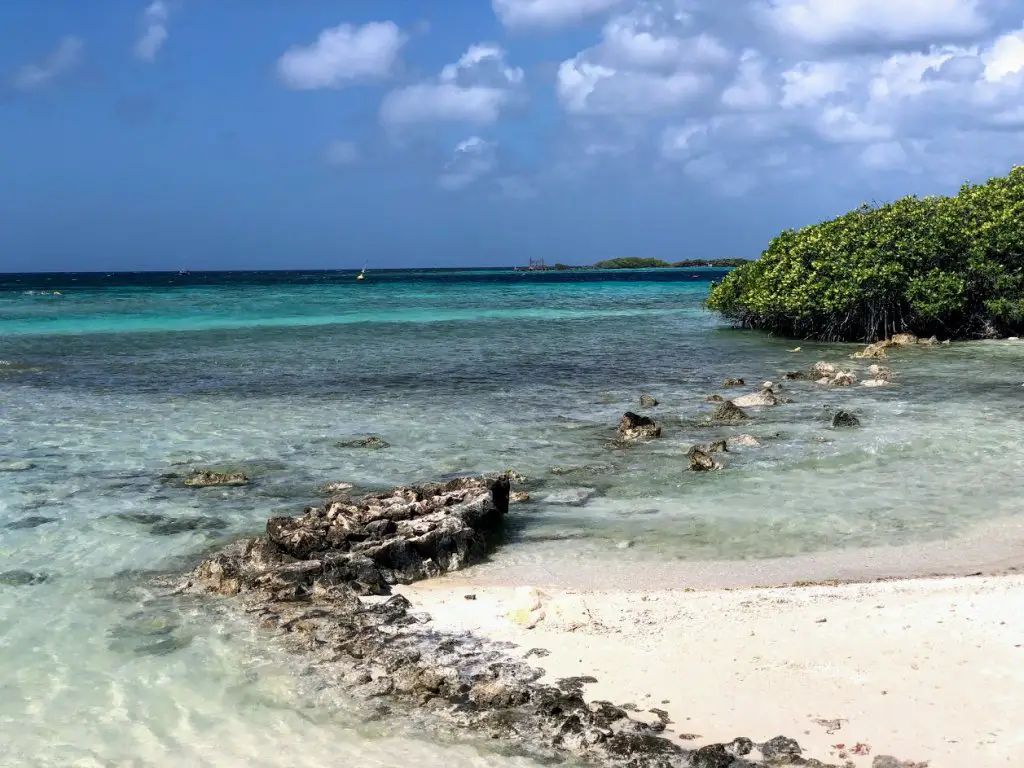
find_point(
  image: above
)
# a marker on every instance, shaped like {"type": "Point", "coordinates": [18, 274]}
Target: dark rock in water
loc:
{"type": "Point", "coordinates": [205, 478]}
{"type": "Point", "coordinates": [799, 376]}
{"type": "Point", "coordinates": [718, 446]}
{"type": "Point", "coordinates": [701, 461]}
{"type": "Point", "coordinates": [729, 413]}
{"type": "Point", "coordinates": [374, 442]}
{"type": "Point", "coordinates": [304, 580]}
{"type": "Point", "coordinates": [732, 383]}
{"type": "Point", "coordinates": [166, 525]}
{"type": "Point", "coordinates": [589, 469]}
{"type": "Point", "coordinates": [633, 427]}
{"type": "Point", "coordinates": [648, 401]}
{"type": "Point", "coordinates": [19, 578]}
{"type": "Point", "coordinates": [712, 756]}
{"type": "Point", "coordinates": [714, 399]}
{"type": "Point", "coordinates": [32, 521]}
{"type": "Point", "coordinates": [844, 419]}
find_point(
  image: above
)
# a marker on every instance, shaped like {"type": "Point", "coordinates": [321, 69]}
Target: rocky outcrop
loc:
{"type": "Point", "coordinates": [633, 428]}
{"type": "Point", "coordinates": [729, 413]}
{"type": "Point", "coordinates": [765, 398]}
{"type": "Point", "coordinates": [205, 478]}
{"type": "Point", "coordinates": [310, 582]}
{"type": "Point", "coordinates": [874, 351]}
{"type": "Point", "coordinates": [648, 401]}
{"type": "Point", "coordinates": [903, 339]}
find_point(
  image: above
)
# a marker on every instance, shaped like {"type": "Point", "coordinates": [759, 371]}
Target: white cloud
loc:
{"type": "Point", "coordinates": [549, 14]}
{"type": "Point", "coordinates": [472, 159]}
{"type": "Point", "coordinates": [343, 55]}
{"type": "Point", "coordinates": [749, 90]}
{"type": "Point", "coordinates": [810, 82]}
{"type": "Point", "coordinates": [885, 155]}
{"type": "Point", "coordinates": [1005, 58]}
{"type": "Point", "coordinates": [341, 153]}
{"type": "Point", "coordinates": [646, 62]}
{"type": "Point", "coordinates": [65, 57]}
{"type": "Point", "coordinates": [155, 33]}
{"type": "Point", "coordinates": [475, 89]}
{"type": "Point", "coordinates": [838, 22]}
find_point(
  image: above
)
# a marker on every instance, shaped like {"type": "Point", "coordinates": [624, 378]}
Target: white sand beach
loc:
{"type": "Point", "coordinates": [928, 670]}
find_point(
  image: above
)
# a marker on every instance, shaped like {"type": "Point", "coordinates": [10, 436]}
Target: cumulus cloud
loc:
{"type": "Point", "coordinates": [341, 153]}
{"type": "Point", "coordinates": [646, 62]}
{"type": "Point", "coordinates": [343, 55]}
{"type": "Point", "coordinates": [853, 89]}
{"type": "Point", "coordinates": [64, 58]}
{"type": "Point", "coordinates": [472, 159]}
{"type": "Point", "coordinates": [548, 14]}
{"type": "Point", "coordinates": [475, 89]}
{"type": "Point", "coordinates": [154, 34]}
{"type": "Point", "coordinates": [859, 22]}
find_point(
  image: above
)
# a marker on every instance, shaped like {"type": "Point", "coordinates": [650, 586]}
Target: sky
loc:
{"type": "Point", "coordinates": [258, 134]}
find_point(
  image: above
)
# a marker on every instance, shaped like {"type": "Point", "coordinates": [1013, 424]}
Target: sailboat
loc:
{"type": "Point", "coordinates": [362, 274]}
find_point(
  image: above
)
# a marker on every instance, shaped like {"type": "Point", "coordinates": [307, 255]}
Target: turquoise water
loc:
{"type": "Point", "coordinates": [120, 379]}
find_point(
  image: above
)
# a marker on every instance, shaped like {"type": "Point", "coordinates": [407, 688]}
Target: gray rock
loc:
{"type": "Point", "coordinates": [729, 413]}
{"type": "Point", "coordinates": [633, 428]}
{"type": "Point", "coordinates": [844, 420]}
{"type": "Point", "coordinates": [373, 442]}
{"type": "Point", "coordinates": [648, 401]}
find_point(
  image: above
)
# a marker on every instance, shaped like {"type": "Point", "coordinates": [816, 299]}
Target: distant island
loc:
{"type": "Point", "coordinates": [951, 267]}
{"type": "Point", "coordinates": [632, 262]}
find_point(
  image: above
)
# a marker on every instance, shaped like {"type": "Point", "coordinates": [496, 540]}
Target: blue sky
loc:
{"type": "Point", "coordinates": [242, 134]}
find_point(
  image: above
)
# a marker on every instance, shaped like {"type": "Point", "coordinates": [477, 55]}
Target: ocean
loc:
{"type": "Point", "coordinates": [109, 382]}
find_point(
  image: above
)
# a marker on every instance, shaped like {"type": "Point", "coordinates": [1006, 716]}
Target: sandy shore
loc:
{"type": "Point", "coordinates": [929, 670]}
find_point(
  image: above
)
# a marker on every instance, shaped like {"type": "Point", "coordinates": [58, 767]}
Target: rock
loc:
{"type": "Point", "coordinates": [527, 607]}
{"type": "Point", "coordinates": [701, 461]}
{"type": "Point", "coordinates": [714, 399]}
{"type": "Point", "coordinates": [903, 339]}
{"type": "Point", "coordinates": [820, 369]}
{"type": "Point", "coordinates": [717, 446]}
{"type": "Point", "coordinates": [929, 342]}
{"type": "Point", "coordinates": [205, 478]}
{"type": "Point", "coordinates": [843, 419]}
{"type": "Point", "coordinates": [880, 372]}
{"type": "Point", "coordinates": [886, 761]}
{"type": "Point", "coordinates": [780, 748]}
{"type": "Point", "coordinates": [843, 379]}
{"type": "Point", "coordinates": [16, 466]}
{"type": "Point", "coordinates": [519, 497]}
{"type": "Point", "coordinates": [798, 376]}
{"type": "Point", "coordinates": [873, 351]}
{"type": "Point", "coordinates": [729, 413]}
{"type": "Point", "coordinates": [373, 442]}
{"type": "Point", "coordinates": [732, 383]}
{"type": "Point", "coordinates": [875, 383]}
{"type": "Point", "coordinates": [332, 488]}
{"type": "Point", "coordinates": [634, 428]}
{"type": "Point", "coordinates": [712, 756]}
{"type": "Point", "coordinates": [20, 578]}
{"type": "Point", "coordinates": [763, 399]}
{"type": "Point", "coordinates": [32, 521]}
{"type": "Point", "coordinates": [946, 341]}
{"type": "Point", "coordinates": [1008, 338]}
{"type": "Point", "coordinates": [744, 441]}
{"type": "Point", "coordinates": [648, 401]}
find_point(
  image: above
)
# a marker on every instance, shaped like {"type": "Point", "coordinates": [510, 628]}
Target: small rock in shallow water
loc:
{"type": "Point", "coordinates": [729, 413]}
{"type": "Point", "coordinates": [845, 419]}
{"type": "Point", "coordinates": [32, 521]}
{"type": "Point", "coordinates": [374, 442]}
{"type": "Point", "coordinates": [205, 478]}
{"type": "Point", "coordinates": [338, 487]}
{"type": "Point", "coordinates": [648, 401]}
{"type": "Point", "coordinates": [570, 497]}
{"type": "Point", "coordinates": [518, 497]}
{"type": "Point", "coordinates": [745, 441]}
{"type": "Point", "coordinates": [19, 578]}
{"type": "Point", "coordinates": [15, 466]}
{"type": "Point", "coordinates": [732, 383]}
{"type": "Point", "coordinates": [634, 427]}
{"type": "Point", "coordinates": [701, 461]}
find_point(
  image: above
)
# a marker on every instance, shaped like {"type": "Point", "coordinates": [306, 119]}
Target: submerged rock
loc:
{"type": "Point", "coordinates": [169, 525]}
{"type": "Point", "coordinates": [519, 497]}
{"type": "Point", "coordinates": [20, 578]}
{"type": "Point", "coordinates": [732, 383]}
{"type": "Point", "coordinates": [633, 428]}
{"type": "Point", "coordinates": [714, 399]}
{"type": "Point", "coordinates": [16, 466]}
{"type": "Point", "coordinates": [32, 521]}
{"type": "Point", "coordinates": [880, 372]}
{"type": "Point", "coordinates": [329, 489]}
{"type": "Point", "coordinates": [206, 478]}
{"type": "Point", "coordinates": [843, 419]}
{"type": "Point", "coordinates": [729, 413]}
{"type": "Point", "coordinates": [744, 441]}
{"type": "Point", "coordinates": [648, 401]}
{"type": "Point", "coordinates": [717, 446]}
{"type": "Point", "coordinates": [700, 461]}
{"type": "Point", "coordinates": [373, 442]}
{"type": "Point", "coordinates": [931, 341]}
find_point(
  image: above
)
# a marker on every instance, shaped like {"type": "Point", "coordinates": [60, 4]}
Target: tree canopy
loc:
{"type": "Point", "coordinates": [946, 266]}
{"type": "Point", "coordinates": [630, 262]}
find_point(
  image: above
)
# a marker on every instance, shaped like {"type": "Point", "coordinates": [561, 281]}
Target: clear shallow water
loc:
{"type": "Point", "coordinates": [119, 380]}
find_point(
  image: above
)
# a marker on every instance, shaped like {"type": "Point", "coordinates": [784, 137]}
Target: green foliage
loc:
{"type": "Point", "coordinates": [949, 266]}
{"type": "Point", "coordinates": [630, 263]}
